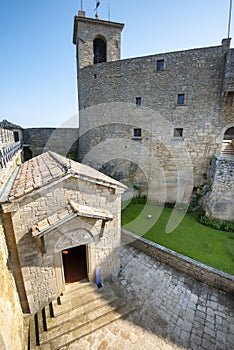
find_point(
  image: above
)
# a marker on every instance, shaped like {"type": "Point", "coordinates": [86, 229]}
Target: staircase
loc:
{"type": "Point", "coordinates": [81, 310]}
{"type": "Point", "coordinates": [227, 148]}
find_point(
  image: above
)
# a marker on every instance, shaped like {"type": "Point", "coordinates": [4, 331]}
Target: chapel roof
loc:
{"type": "Point", "coordinates": [48, 167]}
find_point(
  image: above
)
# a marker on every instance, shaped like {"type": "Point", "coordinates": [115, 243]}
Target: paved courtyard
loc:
{"type": "Point", "coordinates": [173, 311]}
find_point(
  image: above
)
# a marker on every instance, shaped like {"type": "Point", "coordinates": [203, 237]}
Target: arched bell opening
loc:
{"type": "Point", "coordinates": [99, 50]}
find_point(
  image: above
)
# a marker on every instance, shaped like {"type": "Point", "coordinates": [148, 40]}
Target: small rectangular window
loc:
{"type": "Point", "coordinates": [180, 99]}
{"type": "Point", "coordinates": [160, 65]}
{"type": "Point", "coordinates": [138, 101]}
{"type": "Point", "coordinates": [137, 132]}
{"type": "Point", "coordinates": [178, 132]}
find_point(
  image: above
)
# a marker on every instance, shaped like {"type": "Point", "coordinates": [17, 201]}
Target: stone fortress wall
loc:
{"type": "Point", "coordinates": [158, 160]}
{"type": "Point", "coordinates": [177, 141]}
{"type": "Point", "coordinates": [59, 140]}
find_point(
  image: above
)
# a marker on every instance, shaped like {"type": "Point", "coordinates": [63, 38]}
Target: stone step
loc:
{"type": "Point", "coordinates": [82, 288]}
{"type": "Point", "coordinates": [79, 320]}
{"type": "Point", "coordinates": [78, 292]}
{"type": "Point", "coordinates": [82, 307]}
{"type": "Point", "coordinates": [71, 335]}
{"type": "Point", "coordinates": [229, 154]}
{"type": "Point", "coordinates": [77, 299]}
{"type": "Point", "coordinates": [227, 148]}
{"type": "Point", "coordinates": [78, 287]}
{"type": "Point", "coordinates": [70, 287]}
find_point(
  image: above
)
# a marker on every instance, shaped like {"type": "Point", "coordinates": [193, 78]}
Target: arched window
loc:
{"type": "Point", "coordinates": [99, 50]}
{"type": "Point", "coordinates": [229, 134]}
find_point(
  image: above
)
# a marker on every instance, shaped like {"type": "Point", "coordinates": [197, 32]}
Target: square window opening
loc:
{"type": "Point", "coordinates": [137, 132]}
{"type": "Point", "coordinates": [181, 99]}
{"type": "Point", "coordinates": [178, 132]}
{"type": "Point", "coordinates": [138, 101]}
{"type": "Point", "coordinates": [160, 65]}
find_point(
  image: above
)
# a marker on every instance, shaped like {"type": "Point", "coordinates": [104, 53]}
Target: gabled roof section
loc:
{"type": "Point", "coordinates": [90, 212]}
{"type": "Point", "coordinates": [64, 215]}
{"type": "Point", "coordinates": [49, 167]}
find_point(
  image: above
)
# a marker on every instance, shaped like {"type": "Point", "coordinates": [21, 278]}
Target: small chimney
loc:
{"type": "Point", "coordinates": [226, 43]}
{"type": "Point", "coordinates": [81, 14]}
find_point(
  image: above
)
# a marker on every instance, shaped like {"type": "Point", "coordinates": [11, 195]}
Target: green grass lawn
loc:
{"type": "Point", "coordinates": [190, 238]}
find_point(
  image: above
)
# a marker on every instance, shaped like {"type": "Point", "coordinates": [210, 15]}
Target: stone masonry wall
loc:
{"type": "Point", "coordinates": [179, 262]}
{"type": "Point", "coordinates": [219, 201]}
{"type": "Point", "coordinates": [107, 94]}
{"type": "Point", "coordinates": [59, 140]}
{"type": "Point", "coordinates": [38, 269]}
{"type": "Point", "coordinates": [11, 317]}
{"type": "Point", "coordinates": [228, 84]}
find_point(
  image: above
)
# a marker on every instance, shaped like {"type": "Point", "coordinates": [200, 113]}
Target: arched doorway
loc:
{"type": "Point", "coordinates": [228, 142]}
{"type": "Point", "coordinates": [229, 134]}
{"type": "Point", "coordinates": [99, 50]}
{"type": "Point", "coordinates": [74, 264]}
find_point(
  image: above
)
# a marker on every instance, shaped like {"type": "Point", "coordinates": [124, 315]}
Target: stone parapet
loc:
{"type": "Point", "coordinates": [201, 272]}
{"type": "Point", "coordinates": [59, 140]}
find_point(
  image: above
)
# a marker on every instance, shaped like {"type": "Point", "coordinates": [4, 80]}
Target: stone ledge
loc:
{"type": "Point", "coordinates": [193, 268]}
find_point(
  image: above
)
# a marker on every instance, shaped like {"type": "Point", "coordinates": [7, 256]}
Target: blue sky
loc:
{"type": "Point", "coordinates": [38, 69]}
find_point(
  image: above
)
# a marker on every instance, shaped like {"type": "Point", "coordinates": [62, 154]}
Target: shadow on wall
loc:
{"type": "Point", "coordinates": [127, 172]}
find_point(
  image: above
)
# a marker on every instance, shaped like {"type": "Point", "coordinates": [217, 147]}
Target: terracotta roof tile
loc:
{"type": "Point", "coordinates": [35, 173]}
{"type": "Point", "coordinates": [49, 166]}
{"type": "Point", "coordinates": [86, 171]}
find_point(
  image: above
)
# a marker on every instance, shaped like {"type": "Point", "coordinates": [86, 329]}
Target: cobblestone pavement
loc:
{"type": "Point", "coordinates": [173, 311]}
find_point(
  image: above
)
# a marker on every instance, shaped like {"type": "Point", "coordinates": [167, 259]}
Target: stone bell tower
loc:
{"type": "Point", "coordinates": [96, 40]}
{"type": "Point", "coordinates": [98, 43]}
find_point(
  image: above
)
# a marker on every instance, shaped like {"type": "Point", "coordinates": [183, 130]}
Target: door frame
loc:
{"type": "Point", "coordinates": [87, 263]}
